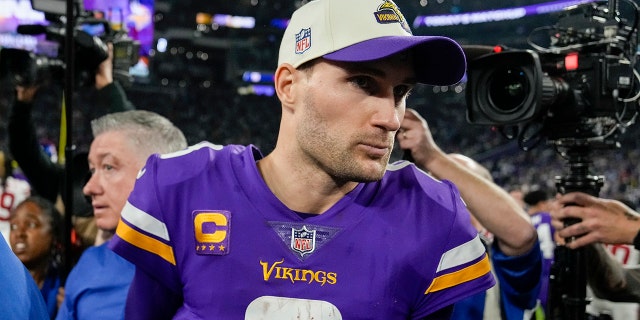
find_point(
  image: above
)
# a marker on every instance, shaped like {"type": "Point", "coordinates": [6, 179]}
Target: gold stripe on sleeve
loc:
{"type": "Point", "coordinates": [135, 238]}
{"type": "Point", "coordinates": [469, 273]}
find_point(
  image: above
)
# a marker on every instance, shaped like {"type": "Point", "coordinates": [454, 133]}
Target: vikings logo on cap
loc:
{"type": "Point", "coordinates": [303, 40]}
{"type": "Point", "coordinates": [388, 12]}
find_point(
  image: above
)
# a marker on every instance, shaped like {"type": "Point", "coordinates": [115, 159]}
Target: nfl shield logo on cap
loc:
{"type": "Point", "coordinates": [303, 40]}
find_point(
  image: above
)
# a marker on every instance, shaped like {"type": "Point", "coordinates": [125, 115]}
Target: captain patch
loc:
{"type": "Point", "coordinates": [212, 231]}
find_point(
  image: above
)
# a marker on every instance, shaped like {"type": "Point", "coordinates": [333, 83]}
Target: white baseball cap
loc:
{"type": "Point", "coordinates": [365, 30]}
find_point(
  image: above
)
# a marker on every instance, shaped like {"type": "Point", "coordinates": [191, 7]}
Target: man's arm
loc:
{"type": "Point", "coordinates": [492, 206]}
{"type": "Point", "coordinates": [43, 174]}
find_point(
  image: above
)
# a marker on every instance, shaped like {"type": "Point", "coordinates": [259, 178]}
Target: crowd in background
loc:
{"type": "Point", "coordinates": [220, 115]}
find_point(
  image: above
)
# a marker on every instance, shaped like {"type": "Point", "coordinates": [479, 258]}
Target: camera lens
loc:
{"type": "Point", "coordinates": [508, 89]}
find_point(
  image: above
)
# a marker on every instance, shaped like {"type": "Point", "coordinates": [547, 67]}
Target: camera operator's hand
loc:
{"type": "Point", "coordinates": [415, 137]}
{"type": "Point", "coordinates": [25, 94]}
{"type": "Point", "coordinates": [602, 220]}
{"type": "Point", "coordinates": [104, 74]}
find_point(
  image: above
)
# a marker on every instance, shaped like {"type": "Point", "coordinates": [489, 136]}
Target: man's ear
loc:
{"type": "Point", "coordinates": [284, 83]}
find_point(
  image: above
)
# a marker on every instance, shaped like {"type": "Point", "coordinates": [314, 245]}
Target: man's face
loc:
{"type": "Point", "coordinates": [114, 164]}
{"type": "Point", "coordinates": [31, 234]}
{"type": "Point", "coordinates": [350, 113]}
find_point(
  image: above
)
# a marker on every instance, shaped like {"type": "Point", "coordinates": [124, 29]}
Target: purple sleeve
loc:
{"type": "Point", "coordinates": [152, 217]}
{"type": "Point", "coordinates": [142, 236]}
{"type": "Point", "coordinates": [464, 268]}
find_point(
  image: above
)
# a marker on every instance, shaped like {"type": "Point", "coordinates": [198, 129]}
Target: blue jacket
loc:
{"type": "Point", "coordinates": [97, 286]}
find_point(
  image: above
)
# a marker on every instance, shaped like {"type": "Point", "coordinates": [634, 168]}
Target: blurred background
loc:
{"type": "Point", "coordinates": [207, 66]}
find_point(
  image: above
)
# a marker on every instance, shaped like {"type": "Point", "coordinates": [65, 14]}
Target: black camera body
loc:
{"type": "Point", "coordinates": [90, 35]}
{"type": "Point", "coordinates": [581, 87]}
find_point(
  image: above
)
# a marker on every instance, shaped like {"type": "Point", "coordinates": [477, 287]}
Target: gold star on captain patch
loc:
{"type": "Point", "coordinates": [212, 247]}
{"type": "Point", "coordinates": [222, 247]}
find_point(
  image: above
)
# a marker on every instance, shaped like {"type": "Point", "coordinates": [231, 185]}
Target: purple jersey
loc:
{"type": "Point", "coordinates": [203, 224]}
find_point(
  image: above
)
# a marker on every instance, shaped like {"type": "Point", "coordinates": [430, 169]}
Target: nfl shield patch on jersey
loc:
{"type": "Point", "coordinates": [303, 239]}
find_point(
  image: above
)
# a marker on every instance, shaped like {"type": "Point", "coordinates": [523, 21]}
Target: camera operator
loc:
{"type": "Point", "coordinates": [516, 256]}
{"type": "Point", "coordinates": [602, 221]}
{"type": "Point", "coordinates": [46, 177]}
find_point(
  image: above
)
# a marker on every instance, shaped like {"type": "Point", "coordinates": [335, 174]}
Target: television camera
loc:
{"type": "Point", "coordinates": [91, 33]}
{"type": "Point", "coordinates": [579, 90]}
{"type": "Point", "coordinates": [580, 85]}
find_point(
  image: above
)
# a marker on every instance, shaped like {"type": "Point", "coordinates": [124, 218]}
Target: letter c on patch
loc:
{"type": "Point", "coordinates": [221, 225]}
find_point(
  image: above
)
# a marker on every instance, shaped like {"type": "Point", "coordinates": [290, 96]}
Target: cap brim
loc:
{"type": "Point", "coordinates": [438, 60]}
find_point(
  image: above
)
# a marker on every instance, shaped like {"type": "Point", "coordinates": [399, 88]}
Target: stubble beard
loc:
{"type": "Point", "coordinates": [331, 152]}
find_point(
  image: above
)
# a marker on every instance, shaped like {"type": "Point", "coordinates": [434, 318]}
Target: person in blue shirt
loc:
{"type": "Point", "coordinates": [503, 224]}
{"type": "Point", "coordinates": [98, 284]}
